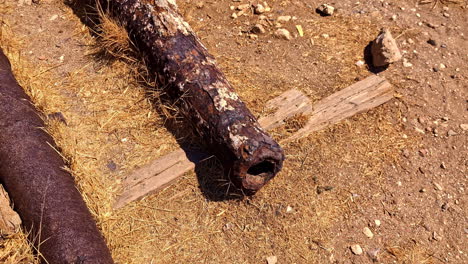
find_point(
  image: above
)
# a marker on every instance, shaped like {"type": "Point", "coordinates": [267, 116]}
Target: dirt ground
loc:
{"type": "Point", "coordinates": [399, 169]}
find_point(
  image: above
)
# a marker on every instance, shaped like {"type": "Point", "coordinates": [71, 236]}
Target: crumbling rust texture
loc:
{"type": "Point", "coordinates": [184, 66]}
{"type": "Point", "coordinates": [44, 194]}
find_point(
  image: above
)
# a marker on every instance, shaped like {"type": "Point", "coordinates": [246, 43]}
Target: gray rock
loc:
{"type": "Point", "coordinates": [384, 49]}
{"type": "Point", "coordinates": [326, 10]}
{"type": "Point", "coordinates": [283, 34]}
{"type": "Point", "coordinates": [368, 232]}
{"type": "Point", "coordinates": [432, 42]}
{"type": "Point", "coordinates": [272, 260]}
{"type": "Point", "coordinates": [258, 29]}
{"type": "Point", "coordinates": [356, 249]}
{"type": "Point", "coordinates": [451, 133]}
{"type": "Point", "coordinates": [259, 9]}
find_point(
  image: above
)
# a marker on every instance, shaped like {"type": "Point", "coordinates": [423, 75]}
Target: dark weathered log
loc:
{"type": "Point", "coordinates": [53, 211]}
{"type": "Point", "coordinates": [191, 76]}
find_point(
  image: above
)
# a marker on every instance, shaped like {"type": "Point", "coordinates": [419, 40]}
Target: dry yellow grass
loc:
{"type": "Point", "coordinates": [411, 254]}
{"type": "Point", "coordinates": [110, 119]}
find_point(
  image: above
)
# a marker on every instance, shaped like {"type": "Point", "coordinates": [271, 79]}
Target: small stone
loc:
{"type": "Point", "coordinates": [438, 186]}
{"type": "Point", "coordinates": [384, 49]}
{"type": "Point", "coordinates": [373, 254]}
{"type": "Point", "coordinates": [259, 9]}
{"type": "Point", "coordinates": [429, 24]}
{"type": "Point", "coordinates": [53, 17]}
{"type": "Point", "coordinates": [436, 236]}
{"type": "Point", "coordinates": [394, 17]}
{"type": "Point", "coordinates": [243, 7]}
{"type": "Point", "coordinates": [419, 130]}
{"type": "Point", "coordinates": [422, 190]}
{"type": "Point", "coordinates": [253, 36]}
{"type": "Point", "coordinates": [360, 63]}
{"type": "Point", "coordinates": [283, 34]}
{"type": "Point", "coordinates": [445, 206]}
{"type": "Point", "coordinates": [272, 260]}
{"type": "Point", "coordinates": [368, 232]}
{"type": "Point", "coordinates": [283, 19]}
{"type": "Point", "coordinates": [258, 29]}
{"type": "Point", "coordinates": [443, 166]}
{"type": "Point", "coordinates": [234, 16]}
{"type": "Point", "coordinates": [464, 127]}
{"type": "Point", "coordinates": [356, 249]}
{"type": "Point", "coordinates": [405, 153]}
{"type": "Point", "coordinates": [326, 10]}
{"type": "Point", "coordinates": [451, 133]}
{"type": "Point", "coordinates": [442, 66]}
{"type": "Point", "coordinates": [410, 41]}
{"type": "Point", "coordinates": [111, 165]}
{"type": "Point", "coordinates": [432, 42]}
{"type": "Point", "coordinates": [325, 36]}
{"type": "Point", "coordinates": [423, 152]}
{"type": "Point", "coordinates": [446, 14]}
{"type": "Point", "coordinates": [377, 222]}
{"type": "Point", "coordinates": [406, 63]}
{"type": "Point", "coordinates": [289, 209]}
{"type": "Point", "coordinates": [321, 189]}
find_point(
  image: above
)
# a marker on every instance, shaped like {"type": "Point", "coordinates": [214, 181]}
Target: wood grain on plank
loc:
{"type": "Point", "coordinates": [361, 96]}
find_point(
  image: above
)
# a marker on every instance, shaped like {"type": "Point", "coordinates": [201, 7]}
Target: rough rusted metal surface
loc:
{"type": "Point", "coordinates": [183, 65]}
{"type": "Point", "coordinates": [44, 194]}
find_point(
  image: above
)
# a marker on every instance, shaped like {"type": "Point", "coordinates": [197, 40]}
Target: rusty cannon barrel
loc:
{"type": "Point", "coordinates": [44, 194]}
{"type": "Point", "coordinates": [191, 77]}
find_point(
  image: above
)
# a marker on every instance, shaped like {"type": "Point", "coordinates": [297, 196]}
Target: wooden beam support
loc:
{"type": "Point", "coordinates": [10, 222]}
{"type": "Point", "coordinates": [361, 96]}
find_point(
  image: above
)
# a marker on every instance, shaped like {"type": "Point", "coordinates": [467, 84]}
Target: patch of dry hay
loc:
{"type": "Point", "coordinates": [411, 254]}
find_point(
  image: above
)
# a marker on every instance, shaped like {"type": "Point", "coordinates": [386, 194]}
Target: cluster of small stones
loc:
{"type": "Point", "coordinates": [265, 21]}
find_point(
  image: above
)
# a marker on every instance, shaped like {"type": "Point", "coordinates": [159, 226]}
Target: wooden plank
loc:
{"type": "Point", "coordinates": [286, 105]}
{"type": "Point", "coordinates": [10, 221]}
{"type": "Point", "coordinates": [361, 96]}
